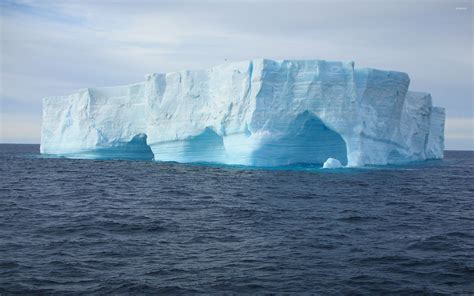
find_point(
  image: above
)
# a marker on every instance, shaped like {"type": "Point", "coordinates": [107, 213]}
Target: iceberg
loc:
{"type": "Point", "coordinates": [259, 112]}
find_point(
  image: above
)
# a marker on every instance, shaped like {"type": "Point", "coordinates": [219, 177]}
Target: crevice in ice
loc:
{"type": "Point", "coordinates": [307, 140]}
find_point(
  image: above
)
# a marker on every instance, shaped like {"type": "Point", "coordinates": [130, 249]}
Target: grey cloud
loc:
{"type": "Point", "coordinates": [116, 42]}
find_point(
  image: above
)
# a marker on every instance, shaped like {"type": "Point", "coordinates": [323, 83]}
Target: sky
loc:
{"type": "Point", "coordinates": [50, 48]}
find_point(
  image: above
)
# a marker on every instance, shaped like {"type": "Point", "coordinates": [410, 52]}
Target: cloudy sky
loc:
{"type": "Point", "coordinates": [52, 48]}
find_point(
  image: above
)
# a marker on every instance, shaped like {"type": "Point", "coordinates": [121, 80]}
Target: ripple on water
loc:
{"type": "Point", "coordinates": [124, 227]}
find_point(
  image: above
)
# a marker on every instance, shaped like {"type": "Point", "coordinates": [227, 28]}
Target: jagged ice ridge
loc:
{"type": "Point", "coordinates": [259, 112]}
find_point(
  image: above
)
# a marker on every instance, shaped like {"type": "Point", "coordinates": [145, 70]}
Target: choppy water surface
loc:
{"type": "Point", "coordinates": [86, 226]}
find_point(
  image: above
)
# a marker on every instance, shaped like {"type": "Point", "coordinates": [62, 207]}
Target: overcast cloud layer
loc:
{"type": "Point", "coordinates": [56, 47]}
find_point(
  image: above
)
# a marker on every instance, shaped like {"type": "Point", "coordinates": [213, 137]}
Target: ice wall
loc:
{"type": "Point", "coordinates": [258, 112]}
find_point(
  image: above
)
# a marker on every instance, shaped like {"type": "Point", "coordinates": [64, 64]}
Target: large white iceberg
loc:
{"type": "Point", "coordinates": [260, 112]}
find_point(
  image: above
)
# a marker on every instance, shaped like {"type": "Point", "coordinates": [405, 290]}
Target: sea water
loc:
{"type": "Point", "coordinates": [117, 226]}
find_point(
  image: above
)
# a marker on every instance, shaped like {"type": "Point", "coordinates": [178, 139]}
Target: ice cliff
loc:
{"type": "Point", "coordinates": [259, 112]}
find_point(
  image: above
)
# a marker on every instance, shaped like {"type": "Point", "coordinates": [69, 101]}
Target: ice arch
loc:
{"type": "Point", "coordinates": [137, 148]}
{"type": "Point", "coordinates": [307, 140]}
{"type": "Point", "coordinates": [205, 147]}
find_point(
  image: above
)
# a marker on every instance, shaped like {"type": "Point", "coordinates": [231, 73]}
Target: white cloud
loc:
{"type": "Point", "coordinates": [20, 128]}
{"type": "Point", "coordinates": [460, 129]}
{"type": "Point", "coordinates": [459, 133]}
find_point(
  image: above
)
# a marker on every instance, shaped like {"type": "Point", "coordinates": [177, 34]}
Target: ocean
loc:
{"type": "Point", "coordinates": [71, 226]}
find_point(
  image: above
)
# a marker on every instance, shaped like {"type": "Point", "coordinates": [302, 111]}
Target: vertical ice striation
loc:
{"type": "Point", "coordinates": [435, 146]}
{"type": "Point", "coordinates": [259, 112]}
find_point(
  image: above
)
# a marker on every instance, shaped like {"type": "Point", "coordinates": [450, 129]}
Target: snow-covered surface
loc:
{"type": "Point", "coordinates": [332, 163]}
{"type": "Point", "coordinates": [258, 112]}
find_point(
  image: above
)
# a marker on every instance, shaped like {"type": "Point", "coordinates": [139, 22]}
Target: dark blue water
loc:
{"type": "Point", "coordinates": [83, 226]}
